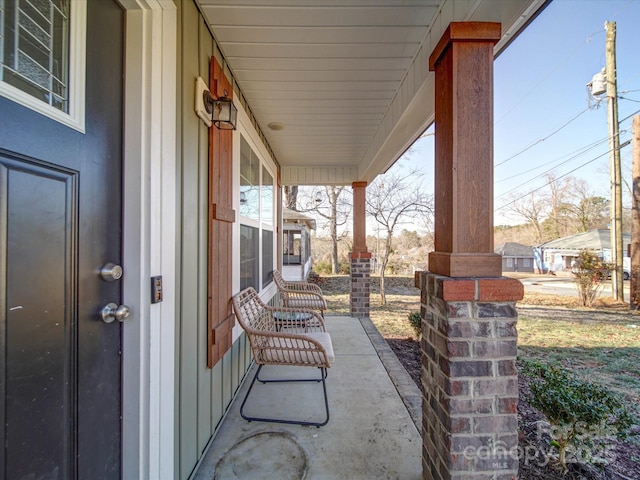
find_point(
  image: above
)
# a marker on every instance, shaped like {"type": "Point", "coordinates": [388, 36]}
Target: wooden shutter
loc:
{"type": "Point", "coordinates": [221, 219]}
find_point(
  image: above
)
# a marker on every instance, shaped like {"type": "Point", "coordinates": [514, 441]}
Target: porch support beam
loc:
{"type": "Point", "coordinates": [360, 261]}
{"type": "Point", "coordinates": [463, 64]}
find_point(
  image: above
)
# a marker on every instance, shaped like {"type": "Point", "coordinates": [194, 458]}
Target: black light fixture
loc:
{"type": "Point", "coordinates": [225, 113]}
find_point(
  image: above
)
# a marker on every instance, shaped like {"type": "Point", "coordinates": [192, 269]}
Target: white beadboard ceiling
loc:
{"type": "Point", "coordinates": [347, 79]}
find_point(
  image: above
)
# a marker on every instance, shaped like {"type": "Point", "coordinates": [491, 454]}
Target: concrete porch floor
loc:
{"type": "Point", "coordinates": [373, 429]}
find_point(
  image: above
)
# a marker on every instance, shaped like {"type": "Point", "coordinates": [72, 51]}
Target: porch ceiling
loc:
{"type": "Point", "coordinates": [347, 80]}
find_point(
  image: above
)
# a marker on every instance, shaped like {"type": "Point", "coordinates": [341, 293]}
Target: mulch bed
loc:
{"type": "Point", "coordinates": [625, 456]}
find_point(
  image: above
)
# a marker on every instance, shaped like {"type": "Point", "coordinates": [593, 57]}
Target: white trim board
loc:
{"type": "Point", "coordinates": [149, 232]}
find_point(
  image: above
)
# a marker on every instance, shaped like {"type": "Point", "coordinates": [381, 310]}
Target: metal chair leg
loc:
{"type": "Point", "coordinates": [288, 421]}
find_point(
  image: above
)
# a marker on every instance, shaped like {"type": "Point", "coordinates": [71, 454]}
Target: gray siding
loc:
{"type": "Point", "coordinates": [203, 394]}
{"type": "Point", "coordinates": [517, 265]}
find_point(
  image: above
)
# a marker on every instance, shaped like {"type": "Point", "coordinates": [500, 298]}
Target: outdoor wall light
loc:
{"type": "Point", "coordinates": [225, 113]}
{"type": "Point", "coordinates": [243, 198]}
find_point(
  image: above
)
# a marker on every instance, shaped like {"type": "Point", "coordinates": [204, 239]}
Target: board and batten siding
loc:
{"type": "Point", "coordinates": [203, 394]}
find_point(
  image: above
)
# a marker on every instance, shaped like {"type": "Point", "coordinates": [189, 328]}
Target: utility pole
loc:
{"type": "Point", "coordinates": [634, 302]}
{"type": "Point", "coordinates": [616, 175]}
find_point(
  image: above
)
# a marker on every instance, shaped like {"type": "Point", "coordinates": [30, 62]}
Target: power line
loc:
{"type": "Point", "coordinates": [629, 116]}
{"type": "Point", "coordinates": [583, 151]}
{"type": "Point", "coordinates": [555, 179]}
{"type": "Point", "coordinates": [559, 177]}
{"type": "Point", "coordinates": [541, 175]}
{"type": "Point", "coordinates": [629, 99]}
{"type": "Point", "coordinates": [579, 152]}
{"type": "Point", "coordinates": [543, 139]}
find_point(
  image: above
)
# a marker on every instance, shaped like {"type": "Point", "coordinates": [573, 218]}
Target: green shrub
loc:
{"type": "Point", "coordinates": [344, 268]}
{"type": "Point", "coordinates": [579, 412]}
{"type": "Point", "coordinates": [589, 272]}
{"type": "Point", "coordinates": [415, 319]}
{"type": "Point", "coordinates": [323, 268]}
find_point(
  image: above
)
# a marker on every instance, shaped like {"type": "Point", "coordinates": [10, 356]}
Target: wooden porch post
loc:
{"type": "Point", "coordinates": [359, 217]}
{"type": "Point", "coordinates": [360, 257]}
{"type": "Point", "coordinates": [463, 62]}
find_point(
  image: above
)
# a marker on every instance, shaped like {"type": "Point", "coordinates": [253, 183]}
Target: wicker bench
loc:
{"type": "Point", "coordinates": [287, 337]}
{"type": "Point", "coordinates": [300, 294]}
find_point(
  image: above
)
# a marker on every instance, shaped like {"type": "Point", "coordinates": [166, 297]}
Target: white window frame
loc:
{"type": "Point", "coordinates": [258, 223]}
{"type": "Point", "coordinates": [271, 227]}
{"type": "Point", "coordinates": [266, 225]}
{"type": "Point", "coordinates": [77, 76]}
{"type": "Point", "coordinates": [247, 130]}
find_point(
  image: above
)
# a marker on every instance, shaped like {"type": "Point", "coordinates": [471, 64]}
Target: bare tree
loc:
{"type": "Point", "coordinates": [558, 208]}
{"type": "Point", "coordinates": [394, 200]}
{"type": "Point", "coordinates": [589, 210]}
{"type": "Point", "coordinates": [291, 197]}
{"type": "Point", "coordinates": [330, 203]}
{"type": "Point", "coordinates": [533, 208]}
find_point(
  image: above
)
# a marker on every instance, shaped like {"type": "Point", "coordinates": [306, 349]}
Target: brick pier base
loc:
{"type": "Point", "coordinates": [469, 378]}
{"type": "Point", "coordinates": [360, 284]}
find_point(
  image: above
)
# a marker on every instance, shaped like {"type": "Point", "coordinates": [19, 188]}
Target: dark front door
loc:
{"type": "Point", "coordinates": [60, 222]}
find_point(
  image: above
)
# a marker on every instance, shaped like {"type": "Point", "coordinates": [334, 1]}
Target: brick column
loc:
{"type": "Point", "coordinates": [469, 378]}
{"type": "Point", "coordinates": [360, 257]}
{"type": "Point", "coordinates": [360, 284]}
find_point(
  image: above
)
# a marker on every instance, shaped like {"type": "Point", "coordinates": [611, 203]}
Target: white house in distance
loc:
{"type": "Point", "coordinates": [557, 255]}
{"type": "Point", "coordinates": [296, 245]}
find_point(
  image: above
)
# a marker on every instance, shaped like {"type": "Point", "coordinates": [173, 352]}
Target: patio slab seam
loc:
{"type": "Point", "coordinates": [402, 381]}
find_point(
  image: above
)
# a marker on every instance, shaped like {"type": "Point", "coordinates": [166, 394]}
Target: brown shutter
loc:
{"type": "Point", "coordinates": [221, 218]}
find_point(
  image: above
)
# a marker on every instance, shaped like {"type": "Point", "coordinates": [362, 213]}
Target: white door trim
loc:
{"type": "Point", "coordinates": [149, 233]}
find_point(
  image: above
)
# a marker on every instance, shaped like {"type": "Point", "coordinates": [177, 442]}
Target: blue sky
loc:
{"type": "Point", "coordinates": [540, 85]}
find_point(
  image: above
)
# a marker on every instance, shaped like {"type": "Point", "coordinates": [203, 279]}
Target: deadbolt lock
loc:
{"type": "Point", "coordinates": [111, 272]}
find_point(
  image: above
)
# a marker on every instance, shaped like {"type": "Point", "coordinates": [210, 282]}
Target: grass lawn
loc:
{"type": "Point", "coordinates": [602, 348]}
{"type": "Point", "coordinates": [606, 352]}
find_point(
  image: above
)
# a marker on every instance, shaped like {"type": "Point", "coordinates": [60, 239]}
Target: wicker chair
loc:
{"type": "Point", "coordinates": [300, 294]}
{"type": "Point", "coordinates": [284, 336]}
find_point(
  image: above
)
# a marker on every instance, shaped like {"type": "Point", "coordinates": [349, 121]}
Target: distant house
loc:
{"type": "Point", "coordinates": [516, 257]}
{"type": "Point", "coordinates": [296, 245]}
{"type": "Point", "coordinates": [558, 255]}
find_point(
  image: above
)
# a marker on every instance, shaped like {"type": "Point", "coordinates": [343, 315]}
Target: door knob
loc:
{"type": "Point", "coordinates": [113, 311]}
